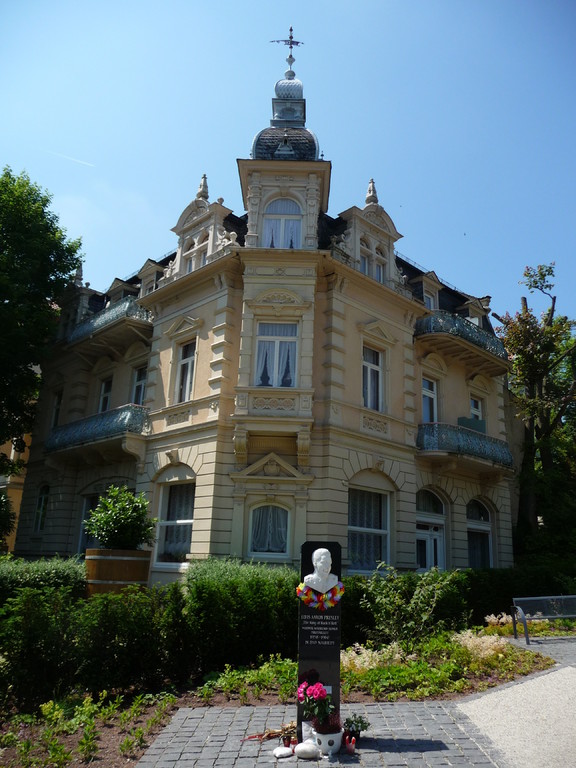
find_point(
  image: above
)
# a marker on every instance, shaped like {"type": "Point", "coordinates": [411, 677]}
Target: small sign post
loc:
{"type": "Point", "coordinates": [319, 613]}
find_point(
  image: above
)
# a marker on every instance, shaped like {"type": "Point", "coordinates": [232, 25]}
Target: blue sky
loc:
{"type": "Point", "coordinates": [463, 112]}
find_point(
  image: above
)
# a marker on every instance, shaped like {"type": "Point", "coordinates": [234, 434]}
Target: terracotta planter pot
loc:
{"type": "Point", "coordinates": [112, 570]}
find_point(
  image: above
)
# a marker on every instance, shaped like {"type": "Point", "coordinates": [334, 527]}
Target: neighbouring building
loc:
{"type": "Point", "coordinates": [12, 486]}
{"type": "Point", "coordinates": [282, 376]}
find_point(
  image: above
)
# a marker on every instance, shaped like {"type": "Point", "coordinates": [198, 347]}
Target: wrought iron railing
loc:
{"type": "Point", "coordinates": [441, 321]}
{"type": "Point", "coordinates": [466, 442]}
{"type": "Point", "coordinates": [126, 307]}
{"type": "Point", "coordinates": [100, 426]}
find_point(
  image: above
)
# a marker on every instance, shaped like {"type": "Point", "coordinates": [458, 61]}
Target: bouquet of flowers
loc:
{"type": "Point", "coordinates": [318, 707]}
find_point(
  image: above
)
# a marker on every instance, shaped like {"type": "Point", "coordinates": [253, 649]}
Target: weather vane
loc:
{"type": "Point", "coordinates": [291, 43]}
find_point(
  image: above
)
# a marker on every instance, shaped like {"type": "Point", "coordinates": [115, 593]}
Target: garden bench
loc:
{"type": "Point", "coordinates": [549, 607]}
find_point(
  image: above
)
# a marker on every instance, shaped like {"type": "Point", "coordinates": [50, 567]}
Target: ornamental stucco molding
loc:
{"type": "Point", "coordinates": [374, 424]}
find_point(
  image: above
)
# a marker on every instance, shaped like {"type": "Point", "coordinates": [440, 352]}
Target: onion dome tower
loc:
{"type": "Point", "coordinates": [287, 138]}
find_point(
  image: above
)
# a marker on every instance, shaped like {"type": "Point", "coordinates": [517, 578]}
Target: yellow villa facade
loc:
{"type": "Point", "coordinates": [282, 376]}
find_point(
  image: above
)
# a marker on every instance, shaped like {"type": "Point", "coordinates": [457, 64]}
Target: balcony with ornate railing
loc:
{"type": "Point", "coordinates": [457, 337]}
{"type": "Point", "coordinates": [439, 438]}
{"type": "Point", "coordinates": [101, 427]}
{"type": "Point", "coordinates": [125, 309]}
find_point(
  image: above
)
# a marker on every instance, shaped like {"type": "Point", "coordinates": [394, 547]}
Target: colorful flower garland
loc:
{"type": "Point", "coordinates": [319, 600]}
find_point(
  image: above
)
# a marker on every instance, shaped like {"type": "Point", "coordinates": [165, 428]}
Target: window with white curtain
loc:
{"type": "Point", "coordinates": [175, 524]}
{"type": "Point", "coordinates": [276, 354]}
{"type": "Point", "coordinates": [373, 379]}
{"type": "Point", "coordinates": [368, 522]}
{"type": "Point", "coordinates": [282, 224]}
{"type": "Point", "coordinates": [479, 535]}
{"type": "Point", "coordinates": [269, 530]}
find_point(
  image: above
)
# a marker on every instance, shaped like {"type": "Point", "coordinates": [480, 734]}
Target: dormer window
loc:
{"type": "Point", "coordinates": [282, 224]}
{"type": "Point", "coordinates": [380, 266]}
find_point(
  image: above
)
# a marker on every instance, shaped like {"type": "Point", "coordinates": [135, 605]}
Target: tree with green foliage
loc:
{"type": "Point", "coordinates": [37, 265]}
{"type": "Point", "coordinates": [7, 519]}
{"type": "Point", "coordinates": [543, 383]}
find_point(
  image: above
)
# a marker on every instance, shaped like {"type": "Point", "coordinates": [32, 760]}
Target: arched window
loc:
{"type": "Point", "coordinates": [479, 535]}
{"type": "Point", "coordinates": [429, 503]}
{"type": "Point", "coordinates": [282, 224]}
{"type": "Point", "coordinates": [269, 530]}
{"type": "Point", "coordinates": [430, 531]}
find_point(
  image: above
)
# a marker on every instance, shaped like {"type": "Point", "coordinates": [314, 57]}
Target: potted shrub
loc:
{"type": "Point", "coordinates": [354, 725]}
{"type": "Point", "coordinates": [318, 707]}
{"type": "Point", "coordinates": [121, 525]}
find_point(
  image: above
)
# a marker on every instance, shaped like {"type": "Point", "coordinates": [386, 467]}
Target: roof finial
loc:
{"type": "Point", "coordinates": [371, 195]}
{"type": "Point", "coordinates": [291, 43]}
{"type": "Point", "coordinates": [202, 193]}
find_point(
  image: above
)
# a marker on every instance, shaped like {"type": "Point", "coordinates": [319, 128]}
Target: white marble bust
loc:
{"type": "Point", "coordinates": [321, 580]}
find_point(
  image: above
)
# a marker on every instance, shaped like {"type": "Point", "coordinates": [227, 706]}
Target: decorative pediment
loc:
{"type": "Point", "coordinates": [480, 383]}
{"type": "Point", "coordinates": [375, 214]}
{"type": "Point", "coordinates": [136, 351]}
{"type": "Point", "coordinates": [103, 365]}
{"type": "Point", "coordinates": [121, 288]}
{"type": "Point", "coordinates": [184, 327]}
{"type": "Point", "coordinates": [270, 467]}
{"type": "Point", "coordinates": [377, 331]}
{"type": "Point", "coordinates": [430, 279]}
{"type": "Point", "coordinates": [150, 267]}
{"type": "Point", "coordinates": [433, 362]}
{"type": "Point", "coordinates": [193, 212]}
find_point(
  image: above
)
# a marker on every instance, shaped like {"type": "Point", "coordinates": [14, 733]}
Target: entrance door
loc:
{"type": "Point", "coordinates": [429, 546]}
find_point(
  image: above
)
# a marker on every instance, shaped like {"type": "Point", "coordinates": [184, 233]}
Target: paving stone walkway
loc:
{"type": "Point", "coordinates": [407, 735]}
{"type": "Point", "coordinates": [402, 735]}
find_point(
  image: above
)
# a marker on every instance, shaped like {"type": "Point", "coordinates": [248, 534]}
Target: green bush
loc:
{"type": "Point", "coordinates": [410, 607]}
{"type": "Point", "coordinates": [224, 614]}
{"type": "Point", "coordinates": [16, 573]}
{"type": "Point", "coordinates": [36, 646]}
{"type": "Point", "coordinates": [118, 642]}
{"type": "Point", "coordinates": [120, 520]}
{"type": "Point", "coordinates": [357, 617]}
{"type": "Point", "coordinates": [175, 626]}
{"type": "Point", "coordinates": [240, 611]}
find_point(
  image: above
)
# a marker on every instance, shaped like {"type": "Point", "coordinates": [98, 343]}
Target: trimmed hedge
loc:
{"type": "Point", "coordinates": [16, 573]}
{"type": "Point", "coordinates": [241, 611]}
